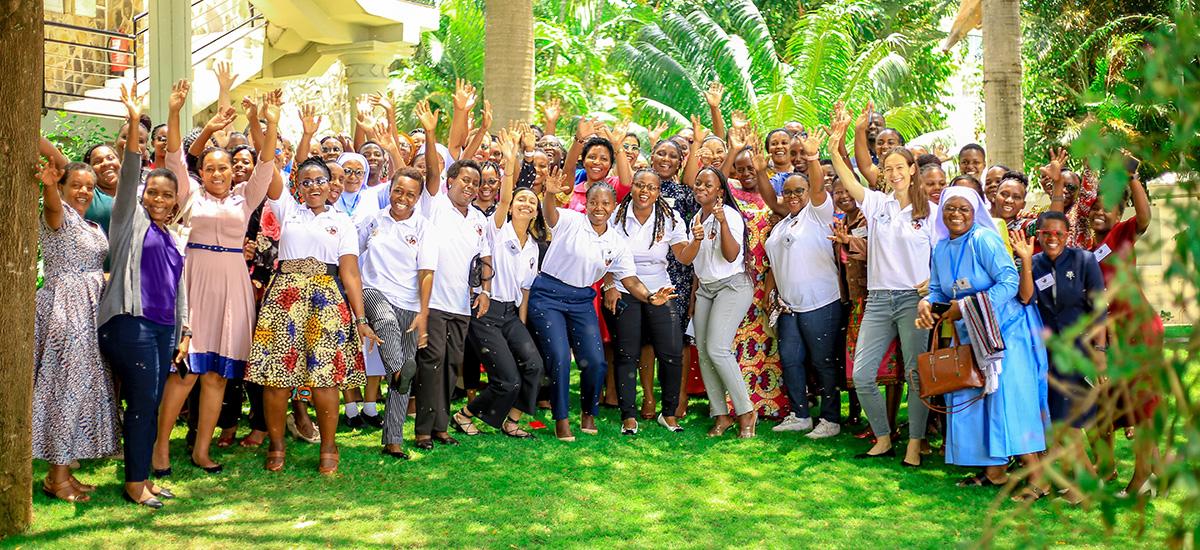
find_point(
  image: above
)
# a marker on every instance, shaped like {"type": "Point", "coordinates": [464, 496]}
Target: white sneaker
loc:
{"type": "Point", "coordinates": [793, 423]}
{"type": "Point", "coordinates": [825, 429]}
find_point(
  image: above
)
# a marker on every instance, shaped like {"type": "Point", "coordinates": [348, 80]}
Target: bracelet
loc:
{"type": "Point", "coordinates": [360, 320]}
{"type": "Point", "coordinates": [812, 157]}
{"type": "Point", "coordinates": [1058, 198]}
{"type": "Point", "coordinates": [608, 287]}
{"type": "Point", "coordinates": [185, 333]}
{"type": "Point", "coordinates": [1100, 348]}
{"type": "Point", "coordinates": [487, 293]}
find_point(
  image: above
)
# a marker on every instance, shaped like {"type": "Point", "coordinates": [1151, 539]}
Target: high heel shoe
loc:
{"type": "Point", "coordinates": [749, 428]}
{"type": "Point", "coordinates": [719, 429]}
{"type": "Point", "coordinates": [209, 469]}
{"type": "Point", "coordinates": [149, 502]}
{"type": "Point", "coordinates": [662, 421]}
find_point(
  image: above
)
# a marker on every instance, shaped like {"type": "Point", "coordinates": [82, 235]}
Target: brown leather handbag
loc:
{"type": "Point", "coordinates": [943, 370]}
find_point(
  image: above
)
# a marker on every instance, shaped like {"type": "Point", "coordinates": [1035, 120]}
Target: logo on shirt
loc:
{"type": "Point", "coordinates": [712, 234]}
{"type": "Point", "coordinates": [608, 257]}
{"type": "Point", "coordinates": [918, 224]}
{"type": "Point", "coordinates": [332, 230]}
{"type": "Point", "coordinates": [479, 229]}
{"type": "Point", "coordinates": [411, 240]}
{"type": "Point", "coordinates": [532, 264]}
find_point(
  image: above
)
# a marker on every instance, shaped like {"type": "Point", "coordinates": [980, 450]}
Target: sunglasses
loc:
{"type": "Point", "coordinates": [314, 183]}
{"type": "Point", "coordinates": [1051, 233]}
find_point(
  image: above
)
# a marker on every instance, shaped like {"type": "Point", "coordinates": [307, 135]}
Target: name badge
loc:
{"type": "Point", "coordinates": [670, 201]}
{"type": "Point", "coordinates": [860, 232]}
{"type": "Point", "coordinates": [1102, 253]}
{"type": "Point", "coordinates": [962, 284]}
{"type": "Point", "coordinates": [1046, 281]}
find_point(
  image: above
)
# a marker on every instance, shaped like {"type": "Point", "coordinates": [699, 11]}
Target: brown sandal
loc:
{"type": "Point", "coordinates": [81, 486]}
{"type": "Point", "coordinates": [275, 460]}
{"type": "Point", "coordinates": [64, 490]}
{"type": "Point", "coordinates": [334, 456]}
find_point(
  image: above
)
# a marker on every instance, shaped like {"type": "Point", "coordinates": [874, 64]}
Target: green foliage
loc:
{"type": "Point", "coordinates": [849, 52]}
{"type": "Point", "coordinates": [74, 134]}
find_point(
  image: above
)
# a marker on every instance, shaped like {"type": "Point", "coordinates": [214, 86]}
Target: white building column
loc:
{"type": "Point", "coordinates": [170, 59]}
{"type": "Point", "coordinates": [366, 66]}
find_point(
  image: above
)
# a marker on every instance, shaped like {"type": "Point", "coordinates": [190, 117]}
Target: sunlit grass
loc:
{"type": "Point", "coordinates": [656, 489]}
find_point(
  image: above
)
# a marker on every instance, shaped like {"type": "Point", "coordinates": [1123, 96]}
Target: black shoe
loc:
{"type": "Point", "coordinates": [445, 440]}
{"type": "Point", "coordinates": [908, 464]}
{"type": "Point", "coordinates": [891, 453]}
{"type": "Point", "coordinates": [354, 422]}
{"type": "Point", "coordinates": [149, 503]}
{"type": "Point", "coordinates": [210, 469]}
{"type": "Point", "coordinates": [424, 444]}
{"type": "Point", "coordinates": [164, 494]}
{"type": "Point", "coordinates": [375, 421]}
{"type": "Point", "coordinates": [398, 454]}
{"type": "Point", "coordinates": [159, 474]}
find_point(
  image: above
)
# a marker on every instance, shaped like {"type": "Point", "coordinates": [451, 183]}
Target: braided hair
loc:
{"type": "Point", "coordinates": [661, 210]}
{"type": "Point", "coordinates": [310, 162]}
{"type": "Point", "coordinates": [728, 200]}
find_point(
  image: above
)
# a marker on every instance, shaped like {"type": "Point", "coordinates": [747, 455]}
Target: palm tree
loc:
{"type": "Point", "coordinates": [1004, 108]}
{"type": "Point", "coordinates": [828, 58]}
{"type": "Point", "coordinates": [508, 60]}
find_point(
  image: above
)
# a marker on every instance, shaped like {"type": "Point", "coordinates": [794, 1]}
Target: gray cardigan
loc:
{"type": "Point", "coordinates": [126, 236]}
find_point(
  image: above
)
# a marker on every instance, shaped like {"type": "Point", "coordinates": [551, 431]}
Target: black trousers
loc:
{"type": "Point", "coordinates": [139, 352]}
{"type": "Point", "coordinates": [437, 368]}
{"type": "Point", "coordinates": [629, 329]}
{"type": "Point", "coordinates": [513, 364]}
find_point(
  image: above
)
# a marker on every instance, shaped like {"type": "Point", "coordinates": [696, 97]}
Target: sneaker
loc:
{"type": "Point", "coordinates": [793, 423]}
{"type": "Point", "coordinates": [825, 429]}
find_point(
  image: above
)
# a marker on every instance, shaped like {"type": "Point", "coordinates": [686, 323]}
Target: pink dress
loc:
{"type": "Point", "coordinates": [220, 296]}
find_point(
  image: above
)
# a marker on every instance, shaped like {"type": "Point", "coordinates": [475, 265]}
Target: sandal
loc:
{"type": "Point", "coordinates": [226, 441]}
{"type": "Point", "coordinates": [81, 486]}
{"type": "Point", "coordinates": [249, 443]}
{"type": "Point", "coordinates": [978, 480]}
{"type": "Point", "coordinates": [1030, 494]}
{"type": "Point", "coordinates": [275, 460]}
{"type": "Point", "coordinates": [464, 424]}
{"type": "Point", "coordinates": [64, 490]}
{"type": "Point", "coordinates": [335, 457]}
{"type": "Point", "coordinates": [719, 429]}
{"type": "Point", "coordinates": [648, 408]}
{"type": "Point", "coordinates": [516, 430]}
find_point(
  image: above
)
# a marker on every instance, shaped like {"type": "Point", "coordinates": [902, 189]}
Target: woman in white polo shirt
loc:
{"type": "Point", "coordinates": [499, 337]}
{"type": "Point", "coordinates": [652, 230]}
{"type": "Point", "coordinates": [304, 335]}
{"type": "Point", "coordinates": [899, 242]}
{"type": "Point", "coordinates": [804, 277]}
{"type": "Point", "coordinates": [397, 262]}
{"type": "Point", "coordinates": [560, 300]}
{"type": "Point", "coordinates": [722, 300]}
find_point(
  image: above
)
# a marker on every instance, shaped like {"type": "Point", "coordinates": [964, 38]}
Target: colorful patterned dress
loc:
{"type": "Point", "coordinates": [757, 353]}
{"type": "Point", "coordinates": [74, 409]}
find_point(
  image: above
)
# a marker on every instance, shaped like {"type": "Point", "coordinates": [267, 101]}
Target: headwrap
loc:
{"type": "Point", "coordinates": [355, 156]}
{"type": "Point", "coordinates": [982, 217]}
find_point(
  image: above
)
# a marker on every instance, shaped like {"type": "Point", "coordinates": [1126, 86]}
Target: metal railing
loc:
{"type": "Point", "coordinates": [85, 63]}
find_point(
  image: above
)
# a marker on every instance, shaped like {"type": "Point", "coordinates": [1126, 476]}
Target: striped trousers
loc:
{"type": "Point", "coordinates": [399, 354]}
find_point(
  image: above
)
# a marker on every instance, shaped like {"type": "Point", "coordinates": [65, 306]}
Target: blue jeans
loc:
{"type": "Point", "coordinates": [811, 336]}
{"type": "Point", "coordinates": [563, 320]}
{"type": "Point", "coordinates": [888, 314]}
{"type": "Point", "coordinates": [140, 353]}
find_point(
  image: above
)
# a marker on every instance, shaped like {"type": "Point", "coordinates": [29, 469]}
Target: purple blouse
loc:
{"type": "Point", "coordinates": [162, 265]}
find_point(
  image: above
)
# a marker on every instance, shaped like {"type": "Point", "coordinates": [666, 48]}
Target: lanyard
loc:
{"type": "Point", "coordinates": [958, 265]}
{"type": "Point", "coordinates": [350, 207]}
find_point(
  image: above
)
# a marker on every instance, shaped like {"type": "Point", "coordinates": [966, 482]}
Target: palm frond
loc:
{"type": "Point", "coordinates": [650, 112]}
{"type": "Point", "coordinates": [748, 22]}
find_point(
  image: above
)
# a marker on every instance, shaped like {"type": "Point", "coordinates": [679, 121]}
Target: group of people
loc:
{"type": "Point", "coordinates": [322, 272]}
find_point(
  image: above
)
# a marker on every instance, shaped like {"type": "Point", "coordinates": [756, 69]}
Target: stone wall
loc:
{"type": "Point", "coordinates": [76, 65]}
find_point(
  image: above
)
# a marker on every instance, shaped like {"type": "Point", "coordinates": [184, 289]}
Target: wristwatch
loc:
{"type": "Point", "coordinates": [487, 293]}
{"type": "Point", "coordinates": [360, 321]}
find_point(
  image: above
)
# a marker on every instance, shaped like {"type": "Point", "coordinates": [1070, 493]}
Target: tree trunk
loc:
{"type": "Point", "coordinates": [1003, 105]}
{"type": "Point", "coordinates": [508, 60]}
{"type": "Point", "coordinates": [20, 23]}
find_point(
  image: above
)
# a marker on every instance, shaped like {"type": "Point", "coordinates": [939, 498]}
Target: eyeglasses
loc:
{"type": "Point", "coordinates": [645, 186]}
{"type": "Point", "coordinates": [1052, 233]}
{"type": "Point", "coordinates": [160, 139]}
{"type": "Point", "coordinates": [314, 183]}
{"type": "Point", "coordinates": [795, 192]}
{"type": "Point", "coordinates": [330, 150]}
{"type": "Point", "coordinates": [957, 209]}
{"type": "Point", "coordinates": [631, 147]}
{"type": "Point", "coordinates": [355, 172]}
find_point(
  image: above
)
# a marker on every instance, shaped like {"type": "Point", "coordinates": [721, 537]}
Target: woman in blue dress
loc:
{"type": "Point", "coordinates": [970, 258]}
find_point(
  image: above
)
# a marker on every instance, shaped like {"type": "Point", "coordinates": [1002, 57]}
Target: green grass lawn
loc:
{"type": "Point", "coordinates": [655, 489]}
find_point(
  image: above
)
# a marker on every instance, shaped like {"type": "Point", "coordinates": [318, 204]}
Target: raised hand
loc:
{"type": "Point", "coordinates": [129, 98]}
{"type": "Point", "coordinates": [219, 121]}
{"type": "Point", "coordinates": [362, 112]}
{"type": "Point", "coordinates": [50, 174]}
{"type": "Point", "coordinates": [739, 120]}
{"type": "Point", "coordinates": [699, 131]}
{"type": "Point", "coordinates": [1022, 246]}
{"type": "Point", "coordinates": [760, 162]}
{"type": "Point", "coordinates": [840, 235]}
{"type": "Point", "coordinates": [864, 119]}
{"type": "Point", "coordinates": [225, 75]}
{"type": "Point", "coordinates": [179, 93]}
{"type": "Point", "coordinates": [251, 108]}
{"type": "Point", "coordinates": [272, 102]}
{"type": "Point", "coordinates": [510, 142]}
{"type": "Point", "coordinates": [837, 128]}
{"type": "Point", "coordinates": [718, 212]}
{"type": "Point", "coordinates": [556, 182]}
{"type": "Point", "coordinates": [656, 133]}
{"type": "Point", "coordinates": [552, 110]}
{"type": "Point", "coordinates": [812, 142]}
{"type": "Point", "coordinates": [586, 128]}
{"type": "Point", "coordinates": [429, 119]}
{"type": "Point", "coordinates": [464, 95]}
{"type": "Point", "coordinates": [713, 94]}
{"type": "Point", "coordinates": [382, 101]}
{"type": "Point", "coordinates": [309, 120]}
{"type": "Point", "coordinates": [487, 115]}
{"type": "Point", "coordinates": [1053, 169]}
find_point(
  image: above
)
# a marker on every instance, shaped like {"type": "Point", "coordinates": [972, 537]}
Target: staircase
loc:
{"type": "Point", "coordinates": [86, 66]}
